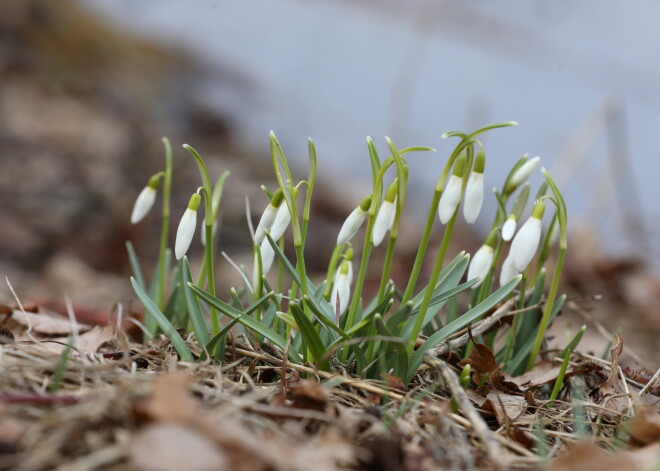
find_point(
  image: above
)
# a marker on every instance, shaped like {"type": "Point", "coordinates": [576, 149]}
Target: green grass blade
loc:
{"type": "Point", "coordinates": [135, 263]}
{"type": "Point", "coordinates": [200, 327]}
{"type": "Point", "coordinates": [217, 337]}
{"type": "Point", "coordinates": [163, 323]}
{"type": "Point", "coordinates": [310, 337]}
{"type": "Point", "coordinates": [244, 319]}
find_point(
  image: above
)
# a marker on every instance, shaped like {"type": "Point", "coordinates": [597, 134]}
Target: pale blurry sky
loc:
{"type": "Point", "coordinates": [339, 71]}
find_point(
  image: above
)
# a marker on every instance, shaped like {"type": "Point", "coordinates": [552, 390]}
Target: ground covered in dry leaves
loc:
{"type": "Point", "coordinates": [116, 404]}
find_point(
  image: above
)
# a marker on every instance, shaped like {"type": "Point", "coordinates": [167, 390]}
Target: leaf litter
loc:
{"type": "Point", "coordinates": [125, 405]}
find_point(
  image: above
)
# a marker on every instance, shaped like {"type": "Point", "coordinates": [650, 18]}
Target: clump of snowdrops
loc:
{"type": "Point", "coordinates": [328, 321]}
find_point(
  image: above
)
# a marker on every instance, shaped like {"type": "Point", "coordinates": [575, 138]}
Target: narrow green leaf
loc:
{"type": "Point", "coordinates": [245, 320]}
{"type": "Point", "coordinates": [194, 312]}
{"type": "Point", "coordinates": [211, 345]}
{"type": "Point", "coordinates": [310, 337]}
{"type": "Point", "coordinates": [163, 323]}
{"type": "Point", "coordinates": [135, 263]}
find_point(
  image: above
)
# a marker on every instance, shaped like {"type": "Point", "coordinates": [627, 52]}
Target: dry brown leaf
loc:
{"type": "Point", "coordinates": [394, 382]}
{"type": "Point", "coordinates": [173, 447]}
{"type": "Point", "coordinates": [587, 456]}
{"type": "Point", "coordinates": [507, 408]}
{"type": "Point", "coordinates": [170, 400]}
{"type": "Point", "coordinates": [545, 372]}
{"type": "Point", "coordinates": [481, 360]}
{"type": "Point", "coordinates": [309, 394]}
{"type": "Point", "coordinates": [89, 342]}
{"type": "Point", "coordinates": [613, 390]}
{"type": "Point", "coordinates": [645, 427]}
{"type": "Point", "coordinates": [45, 323]}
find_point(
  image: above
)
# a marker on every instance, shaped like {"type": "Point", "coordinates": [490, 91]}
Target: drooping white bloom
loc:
{"type": "Point", "coordinates": [508, 271]}
{"type": "Point", "coordinates": [383, 219]}
{"type": "Point", "coordinates": [474, 197]}
{"type": "Point", "coordinates": [265, 223]}
{"type": "Point", "coordinates": [186, 229]}
{"type": "Point", "coordinates": [351, 225]}
{"type": "Point", "coordinates": [520, 175]}
{"type": "Point", "coordinates": [450, 198]}
{"type": "Point", "coordinates": [341, 289]}
{"type": "Point", "coordinates": [526, 241]}
{"type": "Point", "coordinates": [145, 200]}
{"type": "Point", "coordinates": [509, 228]}
{"type": "Point", "coordinates": [281, 222]}
{"type": "Point", "coordinates": [480, 264]}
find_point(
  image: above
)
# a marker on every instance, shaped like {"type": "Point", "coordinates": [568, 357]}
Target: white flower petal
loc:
{"type": "Point", "coordinates": [351, 226]}
{"type": "Point", "coordinates": [525, 244]}
{"type": "Point", "coordinates": [391, 223]}
{"type": "Point", "coordinates": [480, 264]}
{"type": "Point", "coordinates": [267, 256]}
{"type": "Point", "coordinates": [382, 222]}
{"type": "Point", "coordinates": [508, 229]}
{"type": "Point", "coordinates": [508, 271]}
{"type": "Point", "coordinates": [281, 222]}
{"type": "Point", "coordinates": [450, 198]}
{"type": "Point", "coordinates": [184, 233]}
{"type": "Point", "coordinates": [523, 172]}
{"type": "Point", "coordinates": [474, 197]}
{"type": "Point", "coordinates": [265, 223]}
{"type": "Point", "coordinates": [341, 291]}
{"type": "Point", "coordinates": [143, 204]}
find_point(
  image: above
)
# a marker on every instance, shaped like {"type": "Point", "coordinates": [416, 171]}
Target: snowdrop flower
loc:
{"type": "Point", "coordinates": [386, 213]}
{"type": "Point", "coordinates": [508, 271]}
{"type": "Point", "coordinates": [482, 261]}
{"type": "Point", "coordinates": [186, 230]}
{"type": "Point", "coordinates": [520, 175]}
{"type": "Point", "coordinates": [341, 290]}
{"type": "Point", "coordinates": [474, 190]}
{"type": "Point", "coordinates": [268, 216]}
{"type": "Point", "coordinates": [526, 241]}
{"type": "Point", "coordinates": [509, 228]}
{"type": "Point", "coordinates": [451, 196]}
{"type": "Point", "coordinates": [145, 199]}
{"type": "Point", "coordinates": [353, 222]}
{"type": "Point", "coordinates": [282, 220]}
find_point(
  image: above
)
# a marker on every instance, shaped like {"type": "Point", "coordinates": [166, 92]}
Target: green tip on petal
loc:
{"type": "Point", "coordinates": [539, 209]}
{"type": "Point", "coordinates": [480, 161]}
{"type": "Point", "coordinates": [392, 191]}
{"type": "Point", "coordinates": [366, 203]}
{"type": "Point", "coordinates": [195, 199]}
{"type": "Point", "coordinates": [277, 198]}
{"type": "Point", "coordinates": [154, 181]}
{"type": "Point", "coordinates": [459, 166]}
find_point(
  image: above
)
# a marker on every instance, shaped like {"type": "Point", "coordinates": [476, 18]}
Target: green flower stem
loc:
{"type": "Point", "coordinates": [387, 266]}
{"type": "Point", "coordinates": [430, 219]}
{"type": "Point", "coordinates": [446, 238]}
{"type": "Point", "coordinates": [164, 232]}
{"type": "Point", "coordinates": [558, 200]}
{"type": "Point", "coordinates": [208, 260]}
{"type": "Point", "coordinates": [208, 222]}
{"type": "Point", "coordinates": [332, 267]}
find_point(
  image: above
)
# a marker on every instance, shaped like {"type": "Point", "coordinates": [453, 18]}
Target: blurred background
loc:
{"type": "Point", "coordinates": [88, 87]}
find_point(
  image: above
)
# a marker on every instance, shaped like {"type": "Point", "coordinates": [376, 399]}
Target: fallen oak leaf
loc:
{"type": "Point", "coordinates": [645, 426]}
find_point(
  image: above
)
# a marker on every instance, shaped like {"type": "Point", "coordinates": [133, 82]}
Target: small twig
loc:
{"type": "Point", "coordinates": [479, 426]}
{"type": "Point", "coordinates": [649, 385]}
